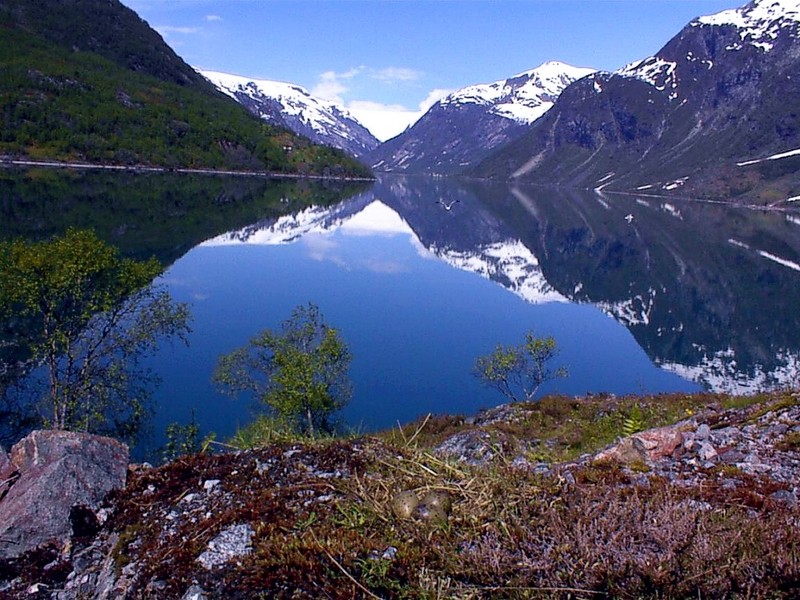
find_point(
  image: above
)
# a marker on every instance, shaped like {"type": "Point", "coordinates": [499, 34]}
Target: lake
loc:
{"type": "Point", "coordinates": [421, 276]}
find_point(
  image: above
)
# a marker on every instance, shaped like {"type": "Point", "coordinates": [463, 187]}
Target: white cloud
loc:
{"type": "Point", "coordinates": [384, 121]}
{"type": "Point", "coordinates": [213, 18]}
{"type": "Point", "coordinates": [165, 30]}
{"type": "Point", "coordinates": [433, 97]}
{"type": "Point", "coordinates": [331, 85]}
{"type": "Point", "coordinates": [391, 74]}
{"type": "Point", "coordinates": [321, 247]}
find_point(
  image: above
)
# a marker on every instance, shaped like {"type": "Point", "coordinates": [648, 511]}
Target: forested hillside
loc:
{"type": "Point", "coordinates": [88, 80]}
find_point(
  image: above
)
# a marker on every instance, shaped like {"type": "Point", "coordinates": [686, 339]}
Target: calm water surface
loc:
{"type": "Point", "coordinates": [642, 295]}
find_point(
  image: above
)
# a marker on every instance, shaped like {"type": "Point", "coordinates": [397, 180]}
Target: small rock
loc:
{"type": "Point", "coordinates": [629, 450]}
{"type": "Point", "coordinates": [195, 592]}
{"type": "Point", "coordinates": [788, 497]}
{"type": "Point", "coordinates": [702, 432]}
{"type": "Point", "coordinates": [210, 484]}
{"type": "Point", "coordinates": [706, 451]}
{"type": "Point", "coordinates": [230, 543]}
{"type": "Point", "coordinates": [699, 505]}
{"type": "Point", "coordinates": [470, 447]}
{"type": "Point", "coordinates": [732, 456]}
{"type": "Point", "coordinates": [777, 429]}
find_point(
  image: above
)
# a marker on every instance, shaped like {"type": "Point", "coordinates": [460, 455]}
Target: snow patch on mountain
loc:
{"type": "Point", "coordinates": [755, 161]}
{"type": "Point", "coordinates": [657, 72]}
{"type": "Point", "coordinates": [759, 22]}
{"type": "Point", "coordinates": [292, 106]}
{"type": "Point", "coordinates": [524, 97]}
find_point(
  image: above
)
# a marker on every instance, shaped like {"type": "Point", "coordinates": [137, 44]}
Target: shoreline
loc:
{"type": "Point", "coordinates": [86, 166]}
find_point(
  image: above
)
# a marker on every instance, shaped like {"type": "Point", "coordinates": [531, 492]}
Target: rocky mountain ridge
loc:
{"type": "Point", "coordinates": [695, 117]}
{"type": "Point", "coordinates": [293, 107]}
{"type": "Point", "coordinates": [88, 81]}
{"type": "Point", "coordinates": [467, 125]}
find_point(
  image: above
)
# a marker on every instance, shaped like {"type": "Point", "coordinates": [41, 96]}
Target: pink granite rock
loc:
{"type": "Point", "coordinates": [57, 470]}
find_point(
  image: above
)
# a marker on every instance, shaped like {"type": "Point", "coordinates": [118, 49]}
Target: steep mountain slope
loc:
{"type": "Point", "coordinates": [127, 98]}
{"type": "Point", "coordinates": [466, 126]}
{"type": "Point", "coordinates": [725, 90]}
{"type": "Point", "coordinates": [293, 107]}
{"type": "Point", "coordinates": [107, 28]}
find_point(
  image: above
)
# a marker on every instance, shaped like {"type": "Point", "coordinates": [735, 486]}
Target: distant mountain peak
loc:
{"type": "Point", "coordinates": [524, 97]}
{"type": "Point", "coordinates": [703, 115]}
{"type": "Point", "coordinates": [759, 22]}
{"type": "Point", "coordinates": [292, 106]}
{"type": "Point", "coordinates": [466, 126]}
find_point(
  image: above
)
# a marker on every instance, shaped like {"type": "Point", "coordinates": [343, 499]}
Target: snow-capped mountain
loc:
{"type": "Point", "coordinates": [522, 98]}
{"type": "Point", "coordinates": [721, 94]}
{"type": "Point", "coordinates": [466, 126]}
{"type": "Point", "coordinates": [291, 106]}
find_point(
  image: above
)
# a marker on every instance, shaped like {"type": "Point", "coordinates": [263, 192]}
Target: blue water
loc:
{"type": "Point", "coordinates": [413, 323]}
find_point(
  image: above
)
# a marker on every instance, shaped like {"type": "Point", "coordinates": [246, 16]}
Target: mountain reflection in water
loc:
{"type": "Point", "coordinates": [641, 294]}
{"type": "Point", "coordinates": [707, 290]}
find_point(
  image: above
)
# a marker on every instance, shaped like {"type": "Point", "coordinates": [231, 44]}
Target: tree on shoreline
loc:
{"type": "Point", "coordinates": [85, 318]}
{"type": "Point", "coordinates": [299, 372]}
{"type": "Point", "coordinates": [518, 372]}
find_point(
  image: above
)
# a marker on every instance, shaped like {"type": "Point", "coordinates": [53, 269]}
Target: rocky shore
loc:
{"type": "Point", "coordinates": [703, 506]}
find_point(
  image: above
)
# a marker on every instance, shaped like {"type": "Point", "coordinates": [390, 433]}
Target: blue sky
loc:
{"type": "Point", "coordinates": [389, 60]}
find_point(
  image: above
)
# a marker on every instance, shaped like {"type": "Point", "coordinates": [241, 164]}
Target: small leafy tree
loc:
{"type": "Point", "coordinates": [299, 372]}
{"type": "Point", "coordinates": [84, 317]}
{"type": "Point", "coordinates": [517, 372]}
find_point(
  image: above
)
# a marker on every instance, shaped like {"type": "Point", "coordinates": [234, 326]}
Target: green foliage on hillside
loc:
{"type": "Point", "coordinates": [56, 103]}
{"type": "Point", "coordinates": [106, 28]}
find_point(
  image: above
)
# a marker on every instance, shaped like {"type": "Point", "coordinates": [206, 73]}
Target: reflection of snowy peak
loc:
{"type": "Point", "coordinates": [721, 373]}
{"type": "Point", "coordinates": [630, 312]}
{"type": "Point", "coordinates": [291, 106]}
{"type": "Point", "coordinates": [289, 228]}
{"type": "Point", "coordinates": [508, 263]}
